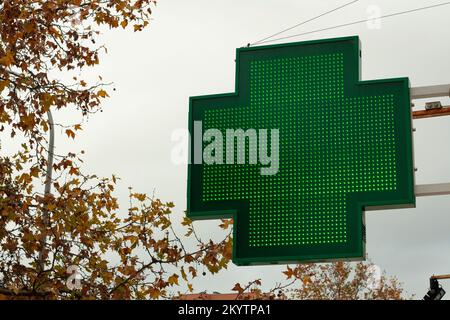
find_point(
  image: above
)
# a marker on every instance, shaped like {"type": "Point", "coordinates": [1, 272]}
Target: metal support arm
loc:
{"type": "Point", "coordinates": [437, 189]}
{"type": "Point", "coordinates": [442, 90]}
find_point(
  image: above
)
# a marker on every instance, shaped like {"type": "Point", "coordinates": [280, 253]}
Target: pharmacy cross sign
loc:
{"type": "Point", "coordinates": [299, 152]}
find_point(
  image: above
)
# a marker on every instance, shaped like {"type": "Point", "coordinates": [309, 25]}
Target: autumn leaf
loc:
{"type": "Point", "coordinates": [226, 223]}
{"type": "Point", "coordinates": [183, 274]}
{"type": "Point", "coordinates": [140, 196]}
{"type": "Point", "coordinates": [173, 279]}
{"type": "Point", "coordinates": [70, 133]}
{"type": "Point", "coordinates": [186, 221]}
{"type": "Point", "coordinates": [102, 93]}
{"type": "Point", "coordinates": [237, 287]}
{"type": "Point", "coordinates": [44, 125]}
{"type": "Point", "coordinates": [24, 178]}
{"type": "Point", "coordinates": [193, 271]}
{"type": "Point", "coordinates": [154, 293]}
{"type": "Point", "coordinates": [34, 172]}
{"type": "Point", "coordinates": [4, 84]}
{"type": "Point", "coordinates": [289, 272]}
{"type": "Point", "coordinates": [74, 171]}
{"type": "Point", "coordinates": [7, 59]}
{"type": "Point", "coordinates": [28, 121]}
{"type": "Point", "coordinates": [47, 101]}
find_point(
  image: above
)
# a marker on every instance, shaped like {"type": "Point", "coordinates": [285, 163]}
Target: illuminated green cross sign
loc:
{"type": "Point", "coordinates": [320, 147]}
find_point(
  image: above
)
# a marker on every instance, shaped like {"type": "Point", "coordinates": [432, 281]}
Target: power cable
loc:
{"type": "Point", "coordinates": [302, 23]}
{"type": "Point", "coordinates": [356, 22]}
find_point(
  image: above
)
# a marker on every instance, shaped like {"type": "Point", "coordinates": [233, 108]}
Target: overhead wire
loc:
{"type": "Point", "coordinates": [355, 22]}
{"type": "Point", "coordinates": [303, 22]}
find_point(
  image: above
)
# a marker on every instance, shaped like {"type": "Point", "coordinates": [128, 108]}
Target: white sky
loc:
{"type": "Point", "coordinates": [189, 50]}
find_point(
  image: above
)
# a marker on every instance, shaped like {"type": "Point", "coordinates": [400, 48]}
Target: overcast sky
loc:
{"type": "Point", "coordinates": [189, 50]}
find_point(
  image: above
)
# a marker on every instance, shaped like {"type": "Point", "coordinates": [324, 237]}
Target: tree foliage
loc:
{"type": "Point", "coordinates": [131, 253]}
{"type": "Point", "coordinates": [329, 281]}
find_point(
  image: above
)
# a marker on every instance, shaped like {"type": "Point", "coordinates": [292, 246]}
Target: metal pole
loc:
{"type": "Point", "coordinates": [51, 146]}
{"type": "Point", "coordinates": [47, 188]}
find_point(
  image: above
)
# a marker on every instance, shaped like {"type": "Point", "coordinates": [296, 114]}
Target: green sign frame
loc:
{"type": "Point", "coordinates": [379, 118]}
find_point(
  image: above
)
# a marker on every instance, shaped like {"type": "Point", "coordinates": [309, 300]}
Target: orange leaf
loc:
{"type": "Point", "coordinates": [289, 272]}
{"type": "Point", "coordinates": [70, 133]}
{"type": "Point", "coordinates": [7, 59]}
{"type": "Point", "coordinates": [306, 280]}
{"type": "Point", "coordinates": [3, 84]}
{"type": "Point", "coordinates": [34, 172]}
{"type": "Point", "coordinates": [102, 93]}
{"type": "Point", "coordinates": [73, 171]}
{"type": "Point", "coordinates": [154, 293]}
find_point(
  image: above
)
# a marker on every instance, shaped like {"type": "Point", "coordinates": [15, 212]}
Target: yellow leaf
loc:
{"type": "Point", "coordinates": [102, 93]}
{"type": "Point", "coordinates": [173, 279]}
{"type": "Point", "coordinates": [183, 274]}
{"type": "Point", "coordinates": [140, 196]}
{"type": "Point", "coordinates": [186, 221]}
{"type": "Point", "coordinates": [7, 59]}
